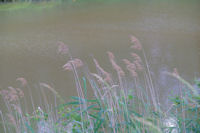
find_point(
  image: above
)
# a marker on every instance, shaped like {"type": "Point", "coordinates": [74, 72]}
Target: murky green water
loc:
{"type": "Point", "coordinates": [169, 32]}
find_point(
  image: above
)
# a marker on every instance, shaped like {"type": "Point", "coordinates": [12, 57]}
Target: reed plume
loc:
{"type": "Point", "coordinates": [114, 64]}
{"type": "Point", "coordinates": [136, 57]}
{"type": "Point", "coordinates": [137, 45]}
{"type": "Point", "coordinates": [12, 94]}
{"type": "Point", "coordinates": [22, 80]}
{"type": "Point", "coordinates": [131, 67]}
{"type": "Point", "coordinates": [138, 65]}
{"type": "Point", "coordinates": [62, 48]}
{"type": "Point", "coordinates": [49, 87]}
{"type": "Point", "coordinates": [76, 62]}
{"type": "Point", "coordinates": [106, 75]}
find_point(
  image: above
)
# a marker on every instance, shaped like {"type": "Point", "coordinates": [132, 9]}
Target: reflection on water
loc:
{"type": "Point", "coordinates": [169, 32]}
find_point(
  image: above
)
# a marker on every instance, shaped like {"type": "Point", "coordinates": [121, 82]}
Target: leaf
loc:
{"type": "Point", "coordinates": [91, 106]}
{"type": "Point", "coordinates": [73, 103]}
{"type": "Point", "coordinates": [29, 127]}
{"type": "Point", "coordinates": [78, 98]}
{"type": "Point", "coordinates": [85, 86]}
{"type": "Point", "coordinates": [94, 116]}
{"type": "Point", "coordinates": [98, 125]}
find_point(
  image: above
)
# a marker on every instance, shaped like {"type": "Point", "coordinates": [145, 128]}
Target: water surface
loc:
{"type": "Point", "coordinates": [169, 32]}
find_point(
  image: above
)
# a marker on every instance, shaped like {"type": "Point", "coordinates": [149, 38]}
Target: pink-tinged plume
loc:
{"type": "Point", "coordinates": [106, 75]}
{"type": "Point", "coordinates": [137, 45]}
{"type": "Point", "coordinates": [136, 57]}
{"type": "Point", "coordinates": [48, 87]}
{"type": "Point", "coordinates": [62, 48]}
{"type": "Point", "coordinates": [12, 94]}
{"type": "Point", "coordinates": [20, 92]}
{"type": "Point", "coordinates": [138, 65]}
{"type": "Point", "coordinates": [114, 64]}
{"type": "Point", "coordinates": [137, 61]}
{"type": "Point", "coordinates": [130, 67]}
{"type": "Point", "coordinates": [75, 62]}
{"type": "Point", "coordinates": [22, 80]}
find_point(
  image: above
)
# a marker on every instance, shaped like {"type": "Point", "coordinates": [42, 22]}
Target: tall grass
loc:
{"type": "Point", "coordinates": [116, 105]}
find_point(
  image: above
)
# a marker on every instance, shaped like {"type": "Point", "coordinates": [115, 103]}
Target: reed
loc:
{"type": "Point", "coordinates": [115, 106]}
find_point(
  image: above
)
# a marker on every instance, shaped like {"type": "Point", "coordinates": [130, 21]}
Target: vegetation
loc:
{"type": "Point", "coordinates": [13, 6]}
{"type": "Point", "coordinates": [116, 105]}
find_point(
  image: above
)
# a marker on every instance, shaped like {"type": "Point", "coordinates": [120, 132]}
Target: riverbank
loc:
{"type": "Point", "coordinates": [13, 6]}
{"type": "Point", "coordinates": [27, 5]}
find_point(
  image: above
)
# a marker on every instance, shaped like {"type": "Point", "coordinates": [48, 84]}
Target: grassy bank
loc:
{"type": "Point", "coordinates": [123, 102]}
{"type": "Point", "coordinates": [26, 5]}
{"type": "Point", "coordinates": [13, 6]}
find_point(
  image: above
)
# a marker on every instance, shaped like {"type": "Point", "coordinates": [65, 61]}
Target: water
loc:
{"type": "Point", "coordinates": [169, 32]}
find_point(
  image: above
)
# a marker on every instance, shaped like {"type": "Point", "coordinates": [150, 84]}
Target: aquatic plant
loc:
{"type": "Point", "coordinates": [115, 105]}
